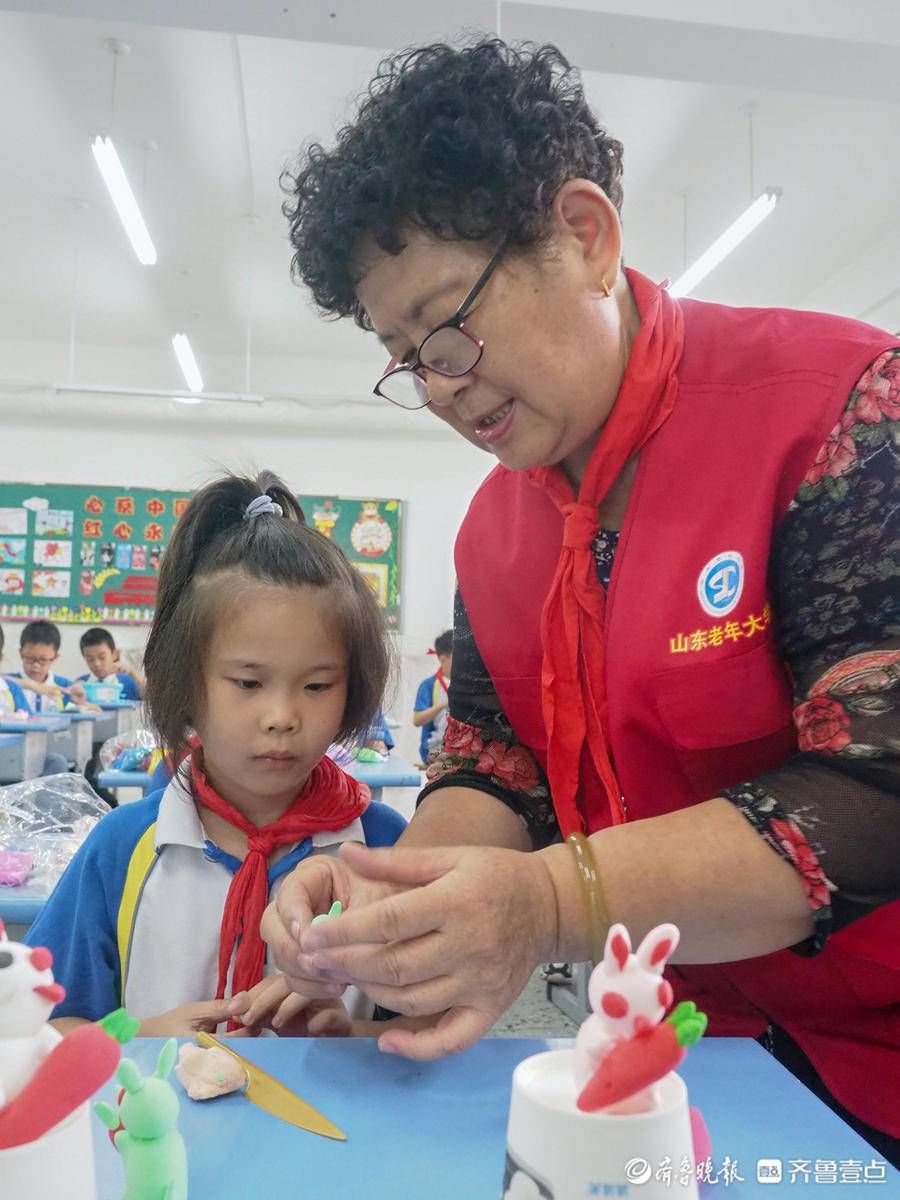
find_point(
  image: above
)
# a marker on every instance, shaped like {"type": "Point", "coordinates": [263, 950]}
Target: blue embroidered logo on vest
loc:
{"type": "Point", "coordinates": [720, 583]}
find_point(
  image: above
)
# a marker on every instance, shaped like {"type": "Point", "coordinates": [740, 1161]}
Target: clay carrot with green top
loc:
{"type": "Point", "coordinates": [641, 1060]}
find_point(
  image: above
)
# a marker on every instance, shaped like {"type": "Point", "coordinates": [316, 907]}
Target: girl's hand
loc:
{"type": "Point", "coordinates": [465, 933]}
{"type": "Point", "coordinates": [272, 1004]}
{"type": "Point", "coordinates": [188, 1019]}
{"type": "Point", "coordinates": [310, 889]}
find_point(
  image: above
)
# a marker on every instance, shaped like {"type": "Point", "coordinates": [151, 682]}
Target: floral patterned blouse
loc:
{"type": "Point", "coordinates": [832, 809]}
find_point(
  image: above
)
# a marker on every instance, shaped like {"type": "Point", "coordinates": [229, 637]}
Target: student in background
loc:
{"type": "Point", "coordinates": [39, 649]}
{"type": "Point", "coordinates": [105, 665]}
{"type": "Point", "coordinates": [266, 647]}
{"type": "Point", "coordinates": [14, 698]}
{"type": "Point", "coordinates": [430, 708]}
{"type": "Point", "coordinates": [379, 735]}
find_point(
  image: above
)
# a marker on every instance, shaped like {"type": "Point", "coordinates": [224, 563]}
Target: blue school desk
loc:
{"type": "Point", "coordinates": [393, 772]}
{"type": "Point", "coordinates": [40, 734]}
{"type": "Point", "coordinates": [77, 741]}
{"type": "Point", "coordinates": [19, 908]}
{"type": "Point", "coordinates": [45, 723]}
{"type": "Point", "coordinates": [437, 1131]}
{"type": "Point", "coordinates": [125, 779]}
{"type": "Point", "coordinates": [21, 756]}
{"type": "Point", "coordinates": [116, 718]}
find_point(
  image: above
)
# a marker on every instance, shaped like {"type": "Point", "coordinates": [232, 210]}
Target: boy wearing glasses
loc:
{"type": "Point", "coordinates": [16, 698]}
{"type": "Point", "coordinates": [39, 650]}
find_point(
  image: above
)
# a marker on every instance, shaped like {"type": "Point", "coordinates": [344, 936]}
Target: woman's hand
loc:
{"type": "Point", "coordinates": [273, 1005]}
{"type": "Point", "coordinates": [310, 889]}
{"type": "Point", "coordinates": [462, 931]}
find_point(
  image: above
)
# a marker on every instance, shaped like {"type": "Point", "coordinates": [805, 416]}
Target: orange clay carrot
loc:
{"type": "Point", "coordinates": [640, 1061]}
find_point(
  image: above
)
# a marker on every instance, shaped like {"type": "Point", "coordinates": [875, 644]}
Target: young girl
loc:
{"type": "Point", "coordinates": [266, 647]}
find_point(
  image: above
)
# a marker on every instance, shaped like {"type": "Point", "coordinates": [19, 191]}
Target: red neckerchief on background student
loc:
{"type": "Point", "coordinates": [329, 801]}
{"type": "Point", "coordinates": [439, 674]}
{"type": "Point", "coordinates": [573, 685]}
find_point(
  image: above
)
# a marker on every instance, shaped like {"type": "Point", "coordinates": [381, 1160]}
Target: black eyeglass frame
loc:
{"type": "Point", "coordinates": [455, 322]}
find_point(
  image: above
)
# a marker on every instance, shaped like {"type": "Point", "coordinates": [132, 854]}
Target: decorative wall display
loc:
{"type": "Point", "coordinates": [90, 555]}
{"type": "Point", "coordinates": [368, 531]}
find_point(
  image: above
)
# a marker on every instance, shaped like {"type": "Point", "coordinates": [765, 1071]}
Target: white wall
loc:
{"type": "Point", "coordinates": [141, 442]}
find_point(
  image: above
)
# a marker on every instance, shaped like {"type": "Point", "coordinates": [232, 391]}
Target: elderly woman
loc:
{"type": "Point", "coordinates": [677, 630]}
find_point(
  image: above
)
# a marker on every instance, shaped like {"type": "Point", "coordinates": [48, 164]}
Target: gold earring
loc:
{"type": "Point", "coordinates": [604, 285]}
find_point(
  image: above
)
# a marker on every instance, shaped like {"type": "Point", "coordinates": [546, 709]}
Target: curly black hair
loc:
{"type": "Point", "coordinates": [467, 143]}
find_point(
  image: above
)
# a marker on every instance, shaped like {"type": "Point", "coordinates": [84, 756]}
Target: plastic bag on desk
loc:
{"type": "Point", "coordinates": [136, 750]}
{"type": "Point", "coordinates": [48, 818]}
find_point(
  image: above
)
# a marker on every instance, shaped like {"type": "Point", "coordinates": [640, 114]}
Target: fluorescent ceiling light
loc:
{"type": "Point", "coordinates": [123, 198]}
{"type": "Point", "coordinates": [723, 246]}
{"type": "Point", "coordinates": [187, 362]}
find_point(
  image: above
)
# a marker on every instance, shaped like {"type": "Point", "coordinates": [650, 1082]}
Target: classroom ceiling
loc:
{"type": "Point", "coordinates": [214, 99]}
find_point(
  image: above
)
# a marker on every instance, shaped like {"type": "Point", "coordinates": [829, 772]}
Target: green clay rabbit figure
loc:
{"type": "Point", "coordinates": [151, 1147]}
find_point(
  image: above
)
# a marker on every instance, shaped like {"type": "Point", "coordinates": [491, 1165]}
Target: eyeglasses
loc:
{"type": "Point", "coordinates": [32, 660]}
{"type": "Point", "coordinates": [449, 350]}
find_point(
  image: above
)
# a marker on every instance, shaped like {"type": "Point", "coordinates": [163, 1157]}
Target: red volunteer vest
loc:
{"type": "Point", "coordinates": [698, 697]}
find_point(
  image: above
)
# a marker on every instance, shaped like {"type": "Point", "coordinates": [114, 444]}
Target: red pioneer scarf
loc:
{"type": "Point", "coordinates": [573, 685]}
{"type": "Point", "coordinates": [330, 800]}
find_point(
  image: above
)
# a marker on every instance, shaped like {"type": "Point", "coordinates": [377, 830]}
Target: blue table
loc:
{"type": "Point", "coordinates": [19, 907]}
{"type": "Point", "coordinates": [393, 772]}
{"type": "Point", "coordinates": [123, 779]}
{"type": "Point", "coordinates": [115, 718]}
{"type": "Point", "coordinates": [43, 723]}
{"type": "Point", "coordinates": [437, 1131]}
{"type": "Point", "coordinates": [21, 756]}
{"type": "Point", "coordinates": [39, 732]}
{"type": "Point", "coordinates": [78, 739]}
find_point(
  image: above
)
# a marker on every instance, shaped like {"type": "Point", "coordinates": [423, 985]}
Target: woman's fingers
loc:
{"type": "Point", "coordinates": [395, 964]}
{"type": "Point", "coordinates": [419, 999]}
{"type": "Point", "coordinates": [456, 1031]}
{"type": "Point", "coordinates": [403, 868]}
{"type": "Point", "coordinates": [308, 890]}
{"type": "Point", "coordinates": [396, 918]}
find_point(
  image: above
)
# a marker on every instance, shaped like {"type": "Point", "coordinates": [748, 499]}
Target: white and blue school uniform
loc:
{"type": "Point", "coordinates": [16, 699]}
{"type": "Point", "coordinates": [130, 689]}
{"type": "Point", "coordinates": [37, 703]}
{"type": "Point", "coordinates": [135, 919]}
{"type": "Point", "coordinates": [12, 697]}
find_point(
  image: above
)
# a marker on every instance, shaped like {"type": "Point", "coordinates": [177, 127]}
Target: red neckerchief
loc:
{"type": "Point", "coordinates": [442, 680]}
{"type": "Point", "coordinates": [573, 687]}
{"type": "Point", "coordinates": [330, 800]}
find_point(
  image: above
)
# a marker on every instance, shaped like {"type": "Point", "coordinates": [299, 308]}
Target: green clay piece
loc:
{"type": "Point", "coordinates": [365, 754]}
{"type": "Point", "coordinates": [152, 1149]}
{"type": "Point", "coordinates": [690, 1024]}
{"type": "Point", "coordinates": [335, 911]}
{"type": "Point", "coordinates": [120, 1026]}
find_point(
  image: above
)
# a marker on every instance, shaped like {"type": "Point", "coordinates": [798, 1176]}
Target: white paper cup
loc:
{"type": "Point", "coordinates": [557, 1152]}
{"type": "Point", "coordinates": [58, 1165]}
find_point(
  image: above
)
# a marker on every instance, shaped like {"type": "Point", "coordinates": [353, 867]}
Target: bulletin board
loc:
{"type": "Point", "coordinates": [90, 555]}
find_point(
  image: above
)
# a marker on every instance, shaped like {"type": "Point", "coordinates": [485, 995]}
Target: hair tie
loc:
{"type": "Point", "coordinates": [262, 506]}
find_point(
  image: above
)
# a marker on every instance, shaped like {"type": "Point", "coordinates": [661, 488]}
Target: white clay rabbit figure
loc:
{"type": "Point", "coordinates": [627, 993]}
{"type": "Point", "coordinates": [27, 997]}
